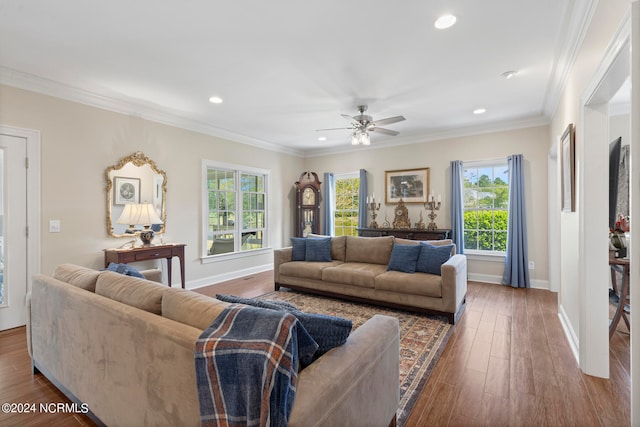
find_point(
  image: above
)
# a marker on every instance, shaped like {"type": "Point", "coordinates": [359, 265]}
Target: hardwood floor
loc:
{"type": "Point", "coordinates": [507, 363]}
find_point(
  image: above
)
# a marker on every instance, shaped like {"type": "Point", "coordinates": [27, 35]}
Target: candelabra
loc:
{"type": "Point", "coordinates": [432, 206]}
{"type": "Point", "coordinates": [373, 207]}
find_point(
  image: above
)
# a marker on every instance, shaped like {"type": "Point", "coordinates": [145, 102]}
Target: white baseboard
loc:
{"type": "Point", "coordinates": [212, 280]}
{"type": "Point", "coordinates": [490, 278]}
{"type": "Point", "coordinates": [574, 342]}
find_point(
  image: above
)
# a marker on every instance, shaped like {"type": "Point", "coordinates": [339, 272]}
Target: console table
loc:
{"type": "Point", "coordinates": [406, 233]}
{"type": "Point", "coordinates": [145, 253]}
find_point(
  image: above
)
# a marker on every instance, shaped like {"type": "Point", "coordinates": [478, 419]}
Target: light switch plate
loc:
{"type": "Point", "coordinates": [54, 226]}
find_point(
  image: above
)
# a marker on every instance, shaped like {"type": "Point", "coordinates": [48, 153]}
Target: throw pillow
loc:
{"type": "Point", "coordinates": [299, 248]}
{"type": "Point", "coordinates": [125, 269]}
{"type": "Point", "coordinates": [318, 250]}
{"type": "Point", "coordinates": [404, 258]}
{"type": "Point", "coordinates": [327, 331]}
{"type": "Point", "coordinates": [432, 257]}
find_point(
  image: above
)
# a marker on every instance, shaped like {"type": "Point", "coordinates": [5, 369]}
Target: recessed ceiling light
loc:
{"type": "Point", "coordinates": [508, 74]}
{"type": "Point", "coordinates": [322, 138]}
{"type": "Point", "coordinates": [445, 21]}
{"type": "Point", "coordinates": [215, 100]}
{"type": "Point", "coordinates": [479, 111]}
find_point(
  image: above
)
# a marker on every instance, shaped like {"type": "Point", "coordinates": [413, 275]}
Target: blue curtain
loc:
{"type": "Point", "coordinates": [362, 195]}
{"type": "Point", "coordinates": [516, 269]}
{"type": "Point", "coordinates": [457, 205]}
{"type": "Point", "coordinates": [329, 202]}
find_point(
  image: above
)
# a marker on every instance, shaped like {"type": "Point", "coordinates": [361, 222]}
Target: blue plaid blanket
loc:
{"type": "Point", "coordinates": [247, 367]}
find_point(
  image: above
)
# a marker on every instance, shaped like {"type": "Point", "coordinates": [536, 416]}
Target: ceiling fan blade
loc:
{"type": "Point", "coordinates": [388, 120]}
{"type": "Point", "coordinates": [385, 131]}
{"type": "Point", "coordinates": [319, 130]}
{"type": "Point", "coordinates": [351, 119]}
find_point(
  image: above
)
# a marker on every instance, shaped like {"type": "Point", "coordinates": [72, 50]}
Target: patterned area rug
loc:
{"type": "Point", "coordinates": [422, 338]}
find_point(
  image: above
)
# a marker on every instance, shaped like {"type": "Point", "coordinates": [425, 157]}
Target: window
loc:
{"type": "Point", "coordinates": [347, 201]}
{"type": "Point", "coordinates": [236, 213]}
{"type": "Point", "coordinates": [486, 202]}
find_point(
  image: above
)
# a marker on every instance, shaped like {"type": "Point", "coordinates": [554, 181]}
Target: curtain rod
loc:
{"type": "Point", "coordinates": [505, 158]}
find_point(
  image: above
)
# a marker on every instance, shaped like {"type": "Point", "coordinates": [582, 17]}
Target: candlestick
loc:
{"type": "Point", "coordinates": [373, 207]}
{"type": "Point", "coordinates": [432, 206]}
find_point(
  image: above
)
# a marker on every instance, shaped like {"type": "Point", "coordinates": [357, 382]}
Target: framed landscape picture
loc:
{"type": "Point", "coordinates": [568, 143]}
{"type": "Point", "coordinates": [410, 185]}
{"type": "Point", "coordinates": [126, 190]}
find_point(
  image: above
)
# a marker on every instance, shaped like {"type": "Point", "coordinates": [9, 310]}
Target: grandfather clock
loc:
{"type": "Point", "coordinates": [308, 204]}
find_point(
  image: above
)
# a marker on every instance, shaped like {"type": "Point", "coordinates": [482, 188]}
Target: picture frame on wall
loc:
{"type": "Point", "coordinates": [126, 190]}
{"type": "Point", "coordinates": [410, 185]}
{"type": "Point", "coordinates": [567, 146]}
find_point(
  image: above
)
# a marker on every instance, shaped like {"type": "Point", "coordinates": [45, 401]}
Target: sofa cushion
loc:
{"type": "Point", "coordinates": [303, 269]}
{"type": "Point", "coordinates": [328, 331]}
{"type": "Point", "coordinates": [404, 258]}
{"type": "Point", "coordinates": [318, 249]}
{"type": "Point", "coordinates": [81, 277]}
{"type": "Point", "coordinates": [353, 273]}
{"type": "Point", "coordinates": [432, 257]}
{"type": "Point", "coordinates": [298, 248]}
{"type": "Point", "coordinates": [190, 308]}
{"type": "Point", "coordinates": [372, 250]}
{"type": "Point", "coordinates": [338, 245]}
{"type": "Point", "coordinates": [132, 291]}
{"type": "Point", "coordinates": [422, 284]}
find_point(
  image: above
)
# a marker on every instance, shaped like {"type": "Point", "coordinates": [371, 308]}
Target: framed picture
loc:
{"type": "Point", "coordinates": [126, 190]}
{"type": "Point", "coordinates": [568, 142]}
{"type": "Point", "coordinates": [410, 185]}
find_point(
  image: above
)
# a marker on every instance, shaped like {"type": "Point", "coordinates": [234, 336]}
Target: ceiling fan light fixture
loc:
{"type": "Point", "coordinates": [215, 100]}
{"type": "Point", "coordinates": [445, 21]}
{"type": "Point", "coordinates": [360, 138]}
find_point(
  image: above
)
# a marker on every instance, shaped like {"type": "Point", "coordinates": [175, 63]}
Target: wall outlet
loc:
{"type": "Point", "coordinates": [532, 265]}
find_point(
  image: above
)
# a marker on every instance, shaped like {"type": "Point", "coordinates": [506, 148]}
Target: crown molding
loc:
{"type": "Point", "coordinates": [130, 106]}
{"type": "Point", "coordinates": [577, 20]}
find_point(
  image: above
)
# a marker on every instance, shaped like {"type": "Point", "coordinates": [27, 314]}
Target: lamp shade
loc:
{"type": "Point", "coordinates": [147, 215]}
{"type": "Point", "coordinates": [129, 214]}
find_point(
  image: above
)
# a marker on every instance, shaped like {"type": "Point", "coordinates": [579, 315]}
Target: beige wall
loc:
{"type": "Point", "coordinates": [531, 142]}
{"type": "Point", "coordinates": [79, 142]}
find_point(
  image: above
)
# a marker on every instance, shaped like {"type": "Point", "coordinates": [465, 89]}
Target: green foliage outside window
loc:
{"type": "Point", "coordinates": [346, 210]}
{"type": "Point", "coordinates": [486, 202]}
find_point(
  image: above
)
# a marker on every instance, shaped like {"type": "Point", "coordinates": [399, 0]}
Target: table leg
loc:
{"type": "Point", "coordinates": [624, 292]}
{"type": "Point", "coordinates": [181, 259]}
{"type": "Point", "coordinates": [169, 270]}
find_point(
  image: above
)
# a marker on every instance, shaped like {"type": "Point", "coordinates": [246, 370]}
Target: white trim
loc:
{"type": "Point", "coordinates": [571, 335]}
{"type": "Point", "coordinates": [212, 280]}
{"type": "Point", "coordinates": [34, 241]}
{"type": "Point", "coordinates": [497, 280]}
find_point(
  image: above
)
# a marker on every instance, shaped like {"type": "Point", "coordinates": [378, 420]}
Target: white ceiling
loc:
{"type": "Point", "coordinates": [286, 68]}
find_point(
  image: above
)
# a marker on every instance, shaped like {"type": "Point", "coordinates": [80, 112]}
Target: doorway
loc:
{"type": "Point", "coordinates": [19, 218]}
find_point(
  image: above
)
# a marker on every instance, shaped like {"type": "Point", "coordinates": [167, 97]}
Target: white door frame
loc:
{"type": "Point", "coordinates": [32, 138]}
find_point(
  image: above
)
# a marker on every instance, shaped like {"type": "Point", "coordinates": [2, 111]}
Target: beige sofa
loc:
{"type": "Point", "coordinates": [358, 271]}
{"type": "Point", "coordinates": [125, 347]}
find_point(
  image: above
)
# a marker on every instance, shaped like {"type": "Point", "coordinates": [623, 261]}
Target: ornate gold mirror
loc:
{"type": "Point", "coordinates": [135, 181]}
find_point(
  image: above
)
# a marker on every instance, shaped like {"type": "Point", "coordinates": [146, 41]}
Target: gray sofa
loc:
{"type": "Point", "coordinates": [125, 347]}
{"type": "Point", "coordinates": [358, 271]}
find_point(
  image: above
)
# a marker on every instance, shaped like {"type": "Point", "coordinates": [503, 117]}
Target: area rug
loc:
{"type": "Point", "coordinates": [422, 338]}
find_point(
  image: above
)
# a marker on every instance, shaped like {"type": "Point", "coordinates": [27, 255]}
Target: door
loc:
{"type": "Point", "coordinates": [13, 231]}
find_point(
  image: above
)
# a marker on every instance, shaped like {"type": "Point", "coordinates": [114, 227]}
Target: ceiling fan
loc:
{"type": "Point", "coordinates": [362, 124]}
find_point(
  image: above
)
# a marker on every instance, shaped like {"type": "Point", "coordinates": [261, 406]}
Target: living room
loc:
{"type": "Point", "coordinates": [79, 139]}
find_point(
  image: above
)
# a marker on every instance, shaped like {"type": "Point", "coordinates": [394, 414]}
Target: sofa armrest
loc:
{"type": "Point", "coordinates": [28, 323]}
{"type": "Point", "coordinates": [280, 256]}
{"type": "Point", "coordinates": [454, 282]}
{"type": "Point", "coordinates": [356, 384]}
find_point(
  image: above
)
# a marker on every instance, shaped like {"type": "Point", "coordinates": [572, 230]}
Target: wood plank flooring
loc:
{"type": "Point", "coordinates": [507, 363]}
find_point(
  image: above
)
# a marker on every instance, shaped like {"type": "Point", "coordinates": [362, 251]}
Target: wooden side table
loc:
{"type": "Point", "coordinates": [145, 253]}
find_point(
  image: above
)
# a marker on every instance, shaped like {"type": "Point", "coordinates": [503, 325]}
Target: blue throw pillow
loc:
{"type": "Point", "coordinates": [124, 269]}
{"type": "Point", "coordinates": [299, 245]}
{"type": "Point", "coordinates": [404, 258]}
{"type": "Point", "coordinates": [432, 257]}
{"type": "Point", "coordinates": [327, 331]}
{"type": "Point", "coordinates": [318, 250]}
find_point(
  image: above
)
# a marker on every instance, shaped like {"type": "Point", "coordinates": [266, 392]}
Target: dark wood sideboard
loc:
{"type": "Point", "coordinates": [150, 252]}
{"type": "Point", "coordinates": [406, 233]}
